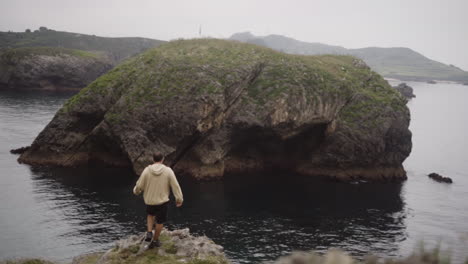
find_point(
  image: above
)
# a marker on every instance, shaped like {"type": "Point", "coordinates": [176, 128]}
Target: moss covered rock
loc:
{"type": "Point", "coordinates": [216, 106]}
{"type": "Point", "coordinates": [177, 246]}
{"type": "Point", "coordinates": [47, 68]}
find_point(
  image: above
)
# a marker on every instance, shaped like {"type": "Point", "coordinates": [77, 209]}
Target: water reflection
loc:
{"type": "Point", "coordinates": [254, 217]}
{"type": "Point", "coordinates": [96, 202]}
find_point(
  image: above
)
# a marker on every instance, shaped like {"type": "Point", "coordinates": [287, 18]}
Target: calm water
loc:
{"type": "Point", "coordinates": [60, 213]}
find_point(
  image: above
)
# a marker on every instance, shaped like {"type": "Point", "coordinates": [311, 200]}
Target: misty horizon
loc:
{"type": "Point", "coordinates": [433, 28]}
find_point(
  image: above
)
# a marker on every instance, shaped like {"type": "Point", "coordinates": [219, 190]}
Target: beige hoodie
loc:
{"type": "Point", "coordinates": [154, 182]}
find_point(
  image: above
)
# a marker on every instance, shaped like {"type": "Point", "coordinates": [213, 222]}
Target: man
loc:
{"type": "Point", "coordinates": [154, 182]}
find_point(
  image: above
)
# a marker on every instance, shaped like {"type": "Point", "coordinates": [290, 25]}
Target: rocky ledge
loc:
{"type": "Point", "coordinates": [177, 246]}
{"type": "Point", "coordinates": [46, 68]}
{"type": "Point", "coordinates": [216, 106]}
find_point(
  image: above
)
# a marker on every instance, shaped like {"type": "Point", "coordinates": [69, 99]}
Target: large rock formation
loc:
{"type": "Point", "coordinates": [46, 68]}
{"type": "Point", "coordinates": [215, 106]}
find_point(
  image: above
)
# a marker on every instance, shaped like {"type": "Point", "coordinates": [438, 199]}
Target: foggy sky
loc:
{"type": "Point", "coordinates": [436, 28]}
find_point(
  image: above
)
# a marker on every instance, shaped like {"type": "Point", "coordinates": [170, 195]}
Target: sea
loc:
{"type": "Point", "coordinates": [60, 213]}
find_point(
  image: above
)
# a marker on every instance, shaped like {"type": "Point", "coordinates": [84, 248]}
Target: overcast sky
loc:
{"type": "Point", "coordinates": [436, 28]}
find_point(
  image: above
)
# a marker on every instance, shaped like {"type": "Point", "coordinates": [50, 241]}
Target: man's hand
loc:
{"type": "Point", "coordinates": [178, 204]}
{"type": "Point", "coordinates": [137, 191]}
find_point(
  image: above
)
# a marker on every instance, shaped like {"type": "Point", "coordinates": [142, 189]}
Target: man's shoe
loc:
{"type": "Point", "coordinates": [154, 243]}
{"type": "Point", "coordinates": [149, 236]}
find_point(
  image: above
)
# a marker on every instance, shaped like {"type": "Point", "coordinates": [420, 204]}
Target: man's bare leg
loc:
{"type": "Point", "coordinates": [149, 223]}
{"type": "Point", "coordinates": [157, 232]}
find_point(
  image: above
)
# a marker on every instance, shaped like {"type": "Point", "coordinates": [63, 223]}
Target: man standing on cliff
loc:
{"type": "Point", "coordinates": [155, 182]}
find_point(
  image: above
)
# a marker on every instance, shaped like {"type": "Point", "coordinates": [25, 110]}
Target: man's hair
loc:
{"type": "Point", "coordinates": [158, 156]}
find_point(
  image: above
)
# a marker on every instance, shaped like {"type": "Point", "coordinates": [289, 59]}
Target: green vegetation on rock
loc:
{"type": "Point", "coordinates": [333, 256]}
{"type": "Point", "coordinates": [207, 66]}
{"type": "Point", "coordinates": [131, 251]}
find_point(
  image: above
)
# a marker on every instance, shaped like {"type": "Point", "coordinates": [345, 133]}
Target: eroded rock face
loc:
{"type": "Point", "coordinates": [215, 107]}
{"type": "Point", "coordinates": [51, 69]}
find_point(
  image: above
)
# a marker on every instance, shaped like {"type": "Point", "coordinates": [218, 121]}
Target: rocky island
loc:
{"type": "Point", "coordinates": [216, 107]}
{"type": "Point", "coordinates": [50, 68]}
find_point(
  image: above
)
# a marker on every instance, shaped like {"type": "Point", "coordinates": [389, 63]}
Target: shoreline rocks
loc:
{"type": "Point", "coordinates": [331, 256]}
{"type": "Point", "coordinates": [215, 107]}
{"type": "Point", "coordinates": [177, 246]}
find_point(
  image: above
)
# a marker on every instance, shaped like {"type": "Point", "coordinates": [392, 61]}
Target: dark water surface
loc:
{"type": "Point", "coordinates": [60, 213]}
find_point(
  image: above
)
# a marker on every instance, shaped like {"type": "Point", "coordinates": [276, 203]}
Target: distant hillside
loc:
{"type": "Point", "coordinates": [50, 68]}
{"type": "Point", "coordinates": [400, 63]}
{"type": "Point", "coordinates": [407, 64]}
{"type": "Point", "coordinates": [289, 45]}
{"type": "Point", "coordinates": [116, 49]}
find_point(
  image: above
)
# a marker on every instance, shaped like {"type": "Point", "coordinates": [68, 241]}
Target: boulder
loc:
{"type": "Point", "coordinates": [405, 90]}
{"type": "Point", "coordinates": [215, 107]}
{"type": "Point", "coordinates": [51, 69]}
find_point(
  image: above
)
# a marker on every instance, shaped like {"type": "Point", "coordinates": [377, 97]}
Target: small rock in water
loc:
{"type": "Point", "coordinates": [19, 150]}
{"type": "Point", "coordinates": [439, 178]}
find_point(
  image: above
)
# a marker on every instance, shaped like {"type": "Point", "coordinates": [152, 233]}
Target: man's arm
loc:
{"type": "Point", "coordinates": [140, 184]}
{"type": "Point", "coordinates": [175, 187]}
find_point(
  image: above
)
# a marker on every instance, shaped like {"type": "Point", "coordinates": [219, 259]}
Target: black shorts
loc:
{"type": "Point", "coordinates": [160, 211]}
